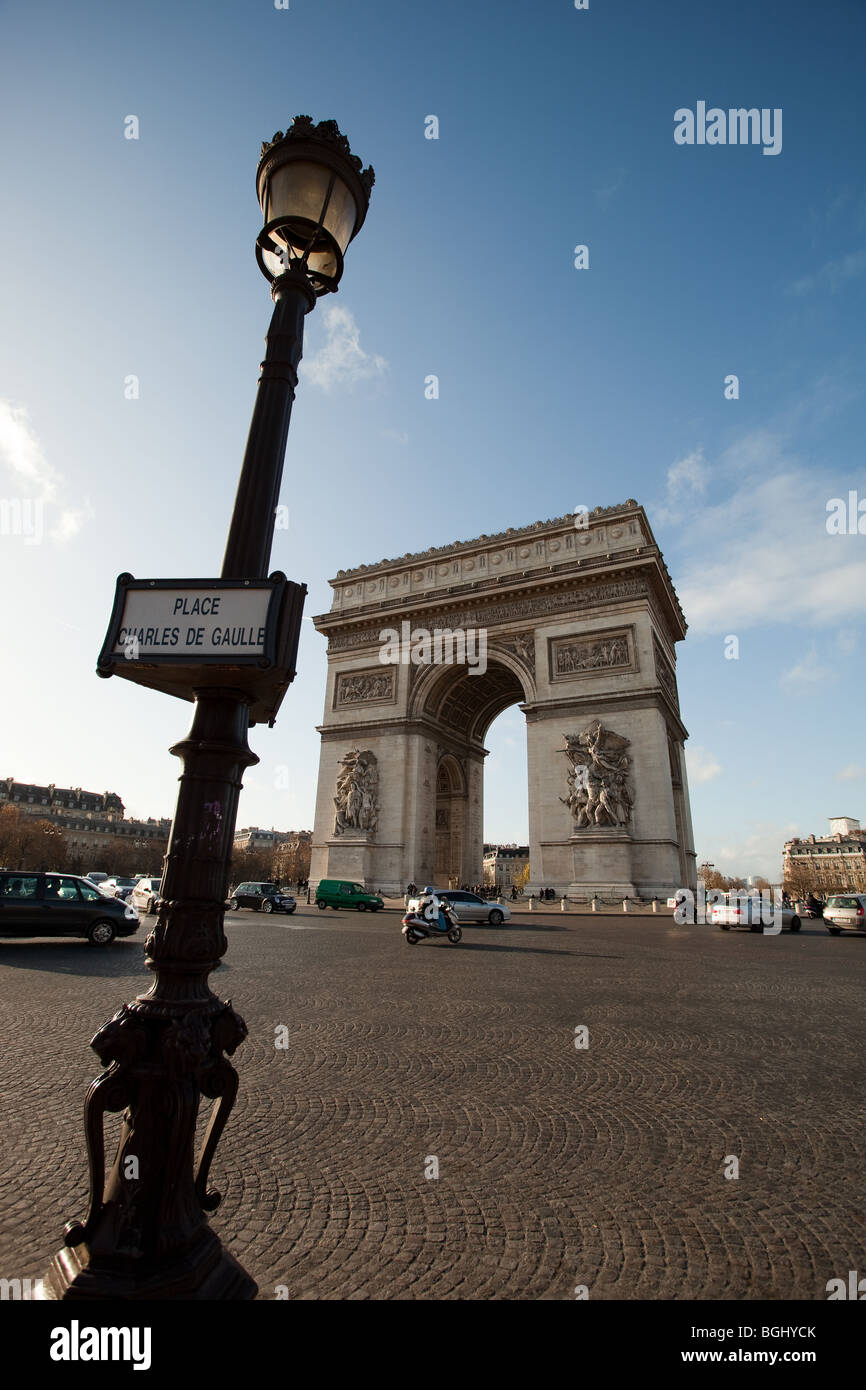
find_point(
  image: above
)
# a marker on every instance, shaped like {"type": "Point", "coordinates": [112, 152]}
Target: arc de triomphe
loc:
{"type": "Point", "coordinates": [580, 621]}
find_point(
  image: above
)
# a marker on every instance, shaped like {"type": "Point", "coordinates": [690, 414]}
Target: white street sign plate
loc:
{"type": "Point", "coordinates": [185, 622]}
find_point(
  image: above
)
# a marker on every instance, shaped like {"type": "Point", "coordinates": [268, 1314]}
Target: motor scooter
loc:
{"type": "Point", "coordinates": [415, 927]}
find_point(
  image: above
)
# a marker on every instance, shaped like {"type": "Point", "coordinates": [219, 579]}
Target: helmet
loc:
{"type": "Point", "coordinates": [427, 888]}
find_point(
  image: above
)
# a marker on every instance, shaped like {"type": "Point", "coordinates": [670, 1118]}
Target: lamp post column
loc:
{"type": "Point", "coordinates": [146, 1234]}
{"type": "Point", "coordinates": [251, 533]}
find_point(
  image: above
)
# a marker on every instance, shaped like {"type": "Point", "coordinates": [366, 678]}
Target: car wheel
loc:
{"type": "Point", "coordinates": [234, 906]}
{"type": "Point", "coordinates": [724, 926]}
{"type": "Point", "coordinates": [100, 933]}
{"type": "Point", "coordinates": [267, 905]}
{"type": "Point", "coordinates": [496, 918]}
{"type": "Point", "coordinates": [795, 924]}
{"type": "Point", "coordinates": [362, 907]}
{"type": "Point", "coordinates": [320, 905]}
{"type": "Point", "coordinates": [835, 931]}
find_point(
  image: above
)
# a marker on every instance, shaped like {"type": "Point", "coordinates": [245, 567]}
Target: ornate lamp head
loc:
{"type": "Point", "coordinates": [314, 196]}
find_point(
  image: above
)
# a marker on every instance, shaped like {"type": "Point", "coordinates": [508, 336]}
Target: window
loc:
{"type": "Point", "coordinates": [89, 893]}
{"type": "Point", "coordinates": [61, 889]}
{"type": "Point", "coordinates": [20, 886]}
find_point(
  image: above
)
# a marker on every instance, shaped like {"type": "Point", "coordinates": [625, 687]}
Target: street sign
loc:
{"type": "Point", "coordinates": [182, 635]}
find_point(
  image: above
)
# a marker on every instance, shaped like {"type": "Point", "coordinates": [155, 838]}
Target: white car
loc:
{"type": "Point", "coordinates": [745, 911]}
{"type": "Point", "coordinates": [468, 907]}
{"type": "Point", "coordinates": [845, 912]}
{"type": "Point", "coordinates": [118, 887]}
{"type": "Point", "coordinates": [145, 895]}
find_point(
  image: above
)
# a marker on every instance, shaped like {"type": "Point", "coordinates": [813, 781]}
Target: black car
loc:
{"type": "Point", "coordinates": [61, 905]}
{"type": "Point", "coordinates": [261, 897]}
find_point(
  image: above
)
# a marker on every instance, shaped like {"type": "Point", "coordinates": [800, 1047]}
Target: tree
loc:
{"type": "Point", "coordinates": [255, 865]}
{"type": "Point", "coordinates": [291, 861]}
{"type": "Point", "coordinates": [713, 879]}
{"type": "Point", "coordinates": [521, 878]}
{"type": "Point", "coordinates": [28, 843]}
{"type": "Point", "coordinates": [797, 880]}
{"type": "Point", "coordinates": [128, 856]}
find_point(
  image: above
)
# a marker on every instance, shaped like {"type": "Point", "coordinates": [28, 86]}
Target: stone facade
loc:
{"type": "Point", "coordinates": [581, 625]}
{"type": "Point", "coordinates": [834, 863]}
{"type": "Point", "coordinates": [503, 864]}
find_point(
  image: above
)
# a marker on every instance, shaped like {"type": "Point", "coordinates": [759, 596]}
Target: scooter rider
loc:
{"type": "Point", "coordinates": [431, 909]}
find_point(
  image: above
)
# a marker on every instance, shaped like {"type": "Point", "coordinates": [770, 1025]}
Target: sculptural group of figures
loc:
{"type": "Point", "coordinates": [598, 782]}
{"type": "Point", "coordinates": [357, 788]}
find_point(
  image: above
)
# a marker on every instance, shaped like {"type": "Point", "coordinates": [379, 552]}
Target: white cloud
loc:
{"type": "Point", "coordinates": [763, 554]}
{"type": "Point", "coordinates": [398, 436]}
{"type": "Point", "coordinates": [807, 675]}
{"type": "Point", "coordinates": [21, 452]}
{"type": "Point", "coordinates": [847, 640]}
{"type": "Point", "coordinates": [701, 765]}
{"type": "Point", "coordinates": [686, 481]}
{"type": "Point", "coordinates": [342, 361]}
{"type": "Point", "coordinates": [688, 475]}
{"type": "Point", "coordinates": [759, 852]}
{"type": "Point", "coordinates": [833, 274]}
{"type": "Point", "coordinates": [854, 772]}
{"type": "Point", "coordinates": [23, 462]}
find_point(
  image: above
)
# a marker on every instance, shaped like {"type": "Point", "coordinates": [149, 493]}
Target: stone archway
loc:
{"type": "Point", "coordinates": [576, 624]}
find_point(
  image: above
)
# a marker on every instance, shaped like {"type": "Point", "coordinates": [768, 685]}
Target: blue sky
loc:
{"type": "Point", "coordinates": [558, 387]}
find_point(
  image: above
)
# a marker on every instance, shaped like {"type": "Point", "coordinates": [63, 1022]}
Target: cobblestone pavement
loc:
{"type": "Point", "coordinates": [557, 1166]}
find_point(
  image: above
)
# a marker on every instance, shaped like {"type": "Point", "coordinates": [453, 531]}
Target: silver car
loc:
{"type": "Point", "coordinates": [468, 907]}
{"type": "Point", "coordinates": [845, 912]}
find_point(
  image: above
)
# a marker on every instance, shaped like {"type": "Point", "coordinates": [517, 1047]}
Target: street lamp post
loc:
{"type": "Point", "coordinates": [146, 1234]}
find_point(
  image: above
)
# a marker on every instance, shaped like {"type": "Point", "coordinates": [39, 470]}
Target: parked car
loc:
{"type": "Point", "coordinates": [96, 876]}
{"type": "Point", "coordinates": [339, 892]}
{"type": "Point", "coordinates": [845, 912]}
{"type": "Point", "coordinates": [117, 887]}
{"type": "Point", "coordinates": [739, 911]}
{"type": "Point", "coordinates": [468, 907]}
{"type": "Point", "coordinates": [61, 905]}
{"type": "Point", "coordinates": [261, 897]}
{"type": "Point", "coordinates": [145, 895]}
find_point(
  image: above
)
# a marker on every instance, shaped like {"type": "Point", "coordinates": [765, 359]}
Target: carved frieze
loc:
{"type": "Point", "coordinates": [372, 687]}
{"type": "Point", "coordinates": [590, 596]}
{"type": "Point", "coordinates": [665, 672]}
{"type": "Point", "coordinates": [589, 654]}
{"type": "Point", "coordinates": [521, 645]}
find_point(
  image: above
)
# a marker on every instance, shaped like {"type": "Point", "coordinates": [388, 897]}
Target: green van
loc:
{"type": "Point", "coordinates": [339, 892]}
